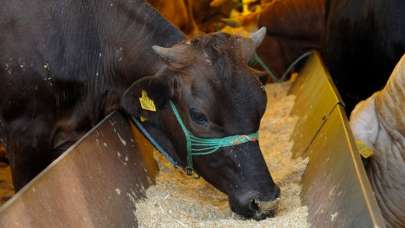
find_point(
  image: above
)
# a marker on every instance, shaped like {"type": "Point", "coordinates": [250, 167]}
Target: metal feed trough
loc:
{"type": "Point", "coordinates": [98, 180]}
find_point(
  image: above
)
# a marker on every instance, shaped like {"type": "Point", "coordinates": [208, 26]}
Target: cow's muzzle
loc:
{"type": "Point", "coordinates": [253, 205]}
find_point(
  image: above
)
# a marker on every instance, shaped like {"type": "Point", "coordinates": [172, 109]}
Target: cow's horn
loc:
{"type": "Point", "coordinates": [168, 54]}
{"type": "Point", "coordinates": [258, 36]}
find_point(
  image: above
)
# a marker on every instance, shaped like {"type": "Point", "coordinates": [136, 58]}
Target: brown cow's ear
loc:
{"type": "Point", "coordinates": [262, 76]}
{"type": "Point", "coordinates": [257, 73]}
{"type": "Point", "coordinates": [148, 94]}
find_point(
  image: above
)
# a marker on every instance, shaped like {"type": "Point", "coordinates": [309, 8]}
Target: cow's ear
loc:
{"type": "Point", "coordinates": [148, 94]}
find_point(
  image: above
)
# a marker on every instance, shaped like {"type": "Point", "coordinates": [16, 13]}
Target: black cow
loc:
{"type": "Point", "coordinates": [66, 64]}
{"type": "Point", "coordinates": [364, 40]}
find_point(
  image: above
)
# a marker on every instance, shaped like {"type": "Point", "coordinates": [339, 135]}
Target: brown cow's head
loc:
{"type": "Point", "coordinates": [217, 95]}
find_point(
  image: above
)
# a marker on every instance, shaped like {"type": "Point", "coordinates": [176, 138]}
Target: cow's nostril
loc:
{"type": "Point", "coordinates": [267, 206]}
{"type": "Point", "coordinates": [263, 209]}
{"type": "Point", "coordinates": [253, 205]}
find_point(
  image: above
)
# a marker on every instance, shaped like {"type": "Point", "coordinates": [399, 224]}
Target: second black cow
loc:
{"type": "Point", "coordinates": [364, 40]}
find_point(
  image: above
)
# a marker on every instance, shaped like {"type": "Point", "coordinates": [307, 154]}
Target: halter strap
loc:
{"type": "Point", "coordinates": [197, 146]}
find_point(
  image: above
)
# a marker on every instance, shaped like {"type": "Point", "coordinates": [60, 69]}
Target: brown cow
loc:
{"type": "Point", "coordinates": [293, 27]}
{"type": "Point", "coordinates": [178, 12]}
{"type": "Point", "coordinates": [3, 158]}
{"type": "Point", "coordinates": [194, 16]}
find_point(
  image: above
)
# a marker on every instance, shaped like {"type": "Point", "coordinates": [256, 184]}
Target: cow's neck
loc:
{"type": "Point", "coordinates": [114, 50]}
{"type": "Point", "coordinates": [140, 27]}
{"type": "Point", "coordinates": [135, 29]}
{"type": "Point", "coordinates": [128, 30]}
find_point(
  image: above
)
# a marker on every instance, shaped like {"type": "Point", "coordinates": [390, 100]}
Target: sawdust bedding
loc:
{"type": "Point", "coordinates": [181, 201]}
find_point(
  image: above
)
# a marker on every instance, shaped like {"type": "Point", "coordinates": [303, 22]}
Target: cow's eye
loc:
{"type": "Point", "coordinates": [198, 117]}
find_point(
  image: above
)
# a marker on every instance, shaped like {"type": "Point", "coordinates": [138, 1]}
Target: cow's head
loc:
{"type": "Point", "coordinates": [217, 95]}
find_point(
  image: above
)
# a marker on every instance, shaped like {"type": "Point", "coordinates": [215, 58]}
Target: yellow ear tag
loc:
{"type": "Point", "coordinates": [146, 102]}
{"type": "Point", "coordinates": [143, 119]}
{"type": "Point", "coordinates": [364, 150]}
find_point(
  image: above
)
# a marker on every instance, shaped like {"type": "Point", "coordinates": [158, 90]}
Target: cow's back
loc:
{"type": "Point", "coordinates": [31, 57]}
{"type": "Point", "coordinates": [64, 66]}
{"type": "Point", "coordinates": [66, 50]}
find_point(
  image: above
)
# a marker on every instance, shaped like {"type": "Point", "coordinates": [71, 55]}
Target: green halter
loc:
{"type": "Point", "coordinates": [197, 146]}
